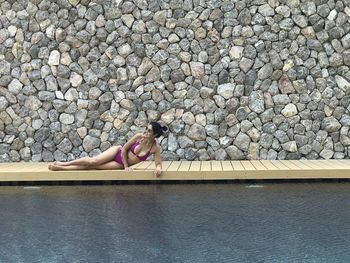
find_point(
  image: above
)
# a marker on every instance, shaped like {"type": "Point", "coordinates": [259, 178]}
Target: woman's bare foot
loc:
{"type": "Point", "coordinates": [54, 167]}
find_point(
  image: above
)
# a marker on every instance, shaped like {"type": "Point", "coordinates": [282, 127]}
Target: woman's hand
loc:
{"type": "Point", "coordinates": [158, 172]}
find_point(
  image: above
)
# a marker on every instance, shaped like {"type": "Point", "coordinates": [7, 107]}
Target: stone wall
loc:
{"type": "Point", "coordinates": [256, 79]}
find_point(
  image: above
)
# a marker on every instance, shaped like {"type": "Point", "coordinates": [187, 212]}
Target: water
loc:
{"type": "Point", "coordinates": [176, 223]}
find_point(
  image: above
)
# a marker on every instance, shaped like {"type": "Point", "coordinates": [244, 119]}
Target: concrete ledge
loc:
{"type": "Point", "coordinates": [187, 170]}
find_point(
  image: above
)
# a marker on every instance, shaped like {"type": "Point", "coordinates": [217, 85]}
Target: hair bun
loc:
{"type": "Point", "coordinates": [164, 128]}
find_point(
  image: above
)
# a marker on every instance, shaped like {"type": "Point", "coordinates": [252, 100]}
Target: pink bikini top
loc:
{"type": "Point", "coordinates": [141, 158]}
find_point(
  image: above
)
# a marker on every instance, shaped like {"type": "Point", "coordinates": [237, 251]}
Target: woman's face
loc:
{"type": "Point", "coordinates": [148, 131]}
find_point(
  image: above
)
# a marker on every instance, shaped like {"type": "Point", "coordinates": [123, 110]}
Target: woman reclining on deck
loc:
{"type": "Point", "coordinates": [137, 149]}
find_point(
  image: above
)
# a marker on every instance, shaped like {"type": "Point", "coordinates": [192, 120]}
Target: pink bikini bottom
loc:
{"type": "Point", "coordinates": [118, 156]}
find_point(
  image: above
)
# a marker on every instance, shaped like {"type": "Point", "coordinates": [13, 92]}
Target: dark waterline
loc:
{"type": "Point", "coordinates": [291, 222]}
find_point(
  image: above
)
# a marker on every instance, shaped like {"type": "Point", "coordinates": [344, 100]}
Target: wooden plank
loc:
{"type": "Point", "coordinates": [216, 166]}
{"type": "Point", "coordinates": [269, 165]}
{"type": "Point", "coordinates": [7, 165]}
{"type": "Point", "coordinates": [258, 165]}
{"type": "Point", "coordinates": [185, 166]}
{"type": "Point", "coordinates": [291, 165]}
{"type": "Point", "coordinates": [144, 165]}
{"type": "Point", "coordinates": [135, 166]}
{"type": "Point", "coordinates": [300, 164]}
{"type": "Point", "coordinates": [20, 167]}
{"type": "Point", "coordinates": [274, 169]}
{"type": "Point", "coordinates": [340, 164]}
{"type": "Point", "coordinates": [205, 166]}
{"type": "Point", "coordinates": [280, 165]}
{"type": "Point", "coordinates": [226, 166]}
{"type": "Point", "coordinates": [195, 166]}
{"type": "Point", "coordinates": [174, 166]}
{"type": "Point", "coordinates": [325, 164]}
{"type": "Point", "coordinates": [237, 165]}
{"type": "Point", "coordinates": [310, 164]}
{"type": "Point", "coordinates": [320, 164]}
{"type": "Point", "coordinates": [332, 164]}
{"type": "Point", "coordinates": [248, 165]}
{"type": "Point", "coordinates": [165, 165]}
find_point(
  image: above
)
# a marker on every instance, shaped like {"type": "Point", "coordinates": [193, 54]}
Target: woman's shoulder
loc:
{"type": "Point", "coordinates": [156, 146]}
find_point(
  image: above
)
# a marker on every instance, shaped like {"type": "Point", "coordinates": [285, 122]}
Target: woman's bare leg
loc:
{"type": "Point", "coordinates": [102, 158]}
{"type": "Point", "coordinates": [112, 165]}
{"type": "Point", "coordinates": [57, 167]}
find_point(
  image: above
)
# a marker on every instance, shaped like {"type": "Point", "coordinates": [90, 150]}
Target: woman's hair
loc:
{"type": "Point", "coordinates": [158, 129]}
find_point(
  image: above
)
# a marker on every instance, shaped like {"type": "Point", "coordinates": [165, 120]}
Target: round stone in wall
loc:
{"type": "Point", "coordinates": [76, 79]}
{"type": "Point", "coordinates": [290, 110]}
{"type": "Point", "coordinates": [226, 90]}
{"type": "Point", "coordinates": [290, 146]}
{"type": "Point", "coordinates": [90, 143]}
{"type": "Point", "coordinates": [66, 118]}
{"type": "Point", "coordinates": [330, 124]}
{"type": "Point", "coordinates": [54, 58]}
{"type": "Point", "coordinates": [235, 153]}
{"type": "Point", "coordinates": [197, 132]}
{"type": "Point", "coordinates": [15, 86]}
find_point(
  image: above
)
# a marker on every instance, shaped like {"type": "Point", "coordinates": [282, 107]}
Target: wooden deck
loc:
{"type": "Point", "coordinates": [187, 170]}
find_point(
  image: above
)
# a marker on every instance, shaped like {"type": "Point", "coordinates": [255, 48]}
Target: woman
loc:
{"type": "Point", "coordinates": [137, 149]}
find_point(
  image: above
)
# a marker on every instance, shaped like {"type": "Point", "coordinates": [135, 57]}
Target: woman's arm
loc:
{"type": "Point", "coordinates": [126, 148]}
{"type": "Point", "coordinates": [158, 161]}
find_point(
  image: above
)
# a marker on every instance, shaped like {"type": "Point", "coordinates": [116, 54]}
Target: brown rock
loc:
{"type": "Point", "coordinates": [197, 69]}
{"type": "Point", "coordinates": [285, 85]}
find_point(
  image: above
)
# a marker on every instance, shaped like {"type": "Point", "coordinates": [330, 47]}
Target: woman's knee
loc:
{"type": "Point", "coordinates": [93, 161]}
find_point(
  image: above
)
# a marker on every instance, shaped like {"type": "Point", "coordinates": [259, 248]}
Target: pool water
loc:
{"type": "Point", "coordinates": [289, 222]}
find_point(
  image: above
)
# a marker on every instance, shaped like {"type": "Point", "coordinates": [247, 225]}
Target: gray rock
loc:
{"type": "Point", "coordinates": [235, 153]}
{"type": "Point", "coordinates": [300, 86]}
{"type": "Point", "coordinates": [90, 143]}
{"type": "Point", "coordinates": [3, 103]}
{"type": "Point", "coordinates": [265, 72]}
{"type": "Point", "coordinates": [245, 64]}
{"type": "Point", "coordinates": [330, 124]}
{"type": "Point", "coordinates": [15, 86]}
{"type": "Point", "coordinates": [197, 69]}
{"type": "Point", "coordinates": [220, 155]}
{"type": "Point", "coordinates": [197, 132]}
{"type": "Point", "coordinates": [342, 83]}
{"type": "Point", "coordinates": [300, 20]}
{"type": "Point", "coordinates": [172, 142]}
{"type": "Point", "coordinates": [244, 17]}
{"type": "Point", "coordinates": [226, 90]}
{"type": "Point", "coordinates": [308, 8]}
{"type": "Point", "coordinates": [283, 10]}
{"type": "Point", "coordinates": [46, 96]}
{"type": "Point", "coordinates": [185, 142]}
{"type": "Point", "coordinates": [256, 101]}
{"type": "Point", "coordinates": [346, 41]}
{"type": "Point", "coordinates": [33, 103]}
{"type": "Point", "coordinates": [289, 110]}
{"type": "Point", "coordinates": [65, 145]}
{"type": "Point", "coordinates": [326, 154]}
{"type": "Point", "coordinates": [90, 77]}
{"type": "Point", "coordinates": [54, 58]}
{"type": "Point", "coordinates": [290, 146]}
{"type": "Point", "coordinates": [66, 118]}
{"type": "Point", "coordinates": [51, 83]}
{"type": "Point", "coordinates": [5, 67]}
{"type": "Point", "coordinates": [242, 141]}
{"type": "Point", "coordinates": [266, 10]}
{"type": "Point", "coordinates": [41, 134]}
{"type": "Point", "coordinates": [212, 131]}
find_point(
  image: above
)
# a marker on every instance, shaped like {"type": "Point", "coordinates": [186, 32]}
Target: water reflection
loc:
{"type": "Point", "coordinates": [176, 223]}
